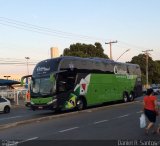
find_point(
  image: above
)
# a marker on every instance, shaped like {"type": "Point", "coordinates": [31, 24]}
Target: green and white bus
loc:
{"type": "Point", "coordinates": [73, 82]}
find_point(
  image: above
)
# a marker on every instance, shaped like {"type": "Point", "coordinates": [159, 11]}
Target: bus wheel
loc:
{"type": "Point", "coordinates": [131, 96]}
{"type": "Point", "coordinates": [57, 110]}
{"type": "Point", "coordinates": [125, 97]}
{"type": "Point", "coordinates": [33, 108]}
{"type": "Point", "coordinates": [80, 104]}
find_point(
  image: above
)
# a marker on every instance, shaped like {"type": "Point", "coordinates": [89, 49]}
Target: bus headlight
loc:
{"type": "Point", "coordinates": [52, 101]}
{"type": "Point", "coordinates": [32, 103]}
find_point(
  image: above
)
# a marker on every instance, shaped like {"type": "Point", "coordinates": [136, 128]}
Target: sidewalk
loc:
{"type": "Point", "coordinates": [19, 104]}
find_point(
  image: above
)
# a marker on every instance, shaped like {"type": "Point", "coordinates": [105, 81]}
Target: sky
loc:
{"type": "Point", "coordinates": [31, 27]}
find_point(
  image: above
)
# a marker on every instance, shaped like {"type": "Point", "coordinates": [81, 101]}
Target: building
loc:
{"type": "Point", "coordinates": [54, 52]}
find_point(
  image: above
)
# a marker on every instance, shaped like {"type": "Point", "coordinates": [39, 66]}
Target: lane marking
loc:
{"type": "Point", "coordinates": [16, 143]}
{"type": "Point", "coordinates": [10, 118]}
{"type": "Point", "coordinates": [139, 112]}
{"type": "Point", "coordinates": [5, 126]}
{"type": "Point", "coordinates": [123, 116]}
{"type": "Point", "coordinates": [69, 129]}
{"type": "Point", "coordinates": [33, 138]}
{"type": "Point", "coordinates": [102, 121]}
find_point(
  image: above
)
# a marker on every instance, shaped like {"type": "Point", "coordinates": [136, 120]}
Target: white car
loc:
{"type": "Point", "coordinates": [5, 105]}
{"type": "Point", "coordinates": [156, 90]}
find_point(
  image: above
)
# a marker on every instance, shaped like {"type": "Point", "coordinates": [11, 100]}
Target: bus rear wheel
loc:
{"type": "Point", "coordinates": [125, 97]}
{"type": "Point", "coordinates": [80, 104]}
{"type": "Point", "coordinates": [131, 96]}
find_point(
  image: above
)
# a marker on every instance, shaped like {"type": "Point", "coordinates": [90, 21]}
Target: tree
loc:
{"type": "Point", "coordinates": [85, 50]}
{"type": "Point", "coordinates": [153, 68]}
{"type": "Point", "coordinates": [157, 72]}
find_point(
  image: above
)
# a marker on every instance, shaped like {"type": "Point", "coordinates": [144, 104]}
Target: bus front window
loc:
{"type": "Point", "coordinates": [43, 86]}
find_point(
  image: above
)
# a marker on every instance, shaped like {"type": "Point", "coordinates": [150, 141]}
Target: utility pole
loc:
{"type": "Point", "coordinates": [147, 54]}
{"type": "Point", "coordinates": [110, 44]}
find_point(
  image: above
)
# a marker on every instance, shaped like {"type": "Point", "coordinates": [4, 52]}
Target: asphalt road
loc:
{"type": "Point", "coordinates": [117, 122]}
{"type": "Point", "coordinates": [21, 114]}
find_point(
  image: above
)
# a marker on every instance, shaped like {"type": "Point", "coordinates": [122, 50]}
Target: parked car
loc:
{"type": "Point", "coordinates": [156, 90]}
{"type": "Point", "coordinates": [5, 105]}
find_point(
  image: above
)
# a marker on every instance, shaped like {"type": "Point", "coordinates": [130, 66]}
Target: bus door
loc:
{"type": "Point", "coordinates": [65, 81]}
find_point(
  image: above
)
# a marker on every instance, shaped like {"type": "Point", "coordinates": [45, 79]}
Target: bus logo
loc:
{"type": "Point", "coordinates": [119, 71]}
{"type": "Point", "coordinates": [43, 69]}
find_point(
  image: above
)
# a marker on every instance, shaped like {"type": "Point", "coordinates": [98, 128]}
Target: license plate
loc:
{"type": "Point", "coordinates": [40, 107]}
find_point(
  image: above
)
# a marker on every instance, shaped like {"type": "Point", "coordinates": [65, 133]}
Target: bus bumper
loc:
{"type": "Point", "coordinates": [49, 106]}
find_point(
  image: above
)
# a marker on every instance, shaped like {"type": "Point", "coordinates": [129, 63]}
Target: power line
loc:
{"type": "Point", "coordinates": [132, 45]}
{"type": "Point", "coordinates": [55, 33]}
{"type": "Point", "coordinates": [140, 48]}
{"type": "Point", "coordinates": [10, 63]}
{"type": "Point", "coordinates": [47, 33]}
{"type": "Point", "coordinates": [15, 61]}
{"type": "Point", "coordinates": [43, 30]}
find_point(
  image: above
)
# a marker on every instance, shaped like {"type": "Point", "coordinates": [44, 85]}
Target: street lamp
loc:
{"type": "Point", "coordinates": [123, 54]}
{"type": "Point", "coordinates": [27, 58]}
{"type": "Point", "coordinates": [7, 77]}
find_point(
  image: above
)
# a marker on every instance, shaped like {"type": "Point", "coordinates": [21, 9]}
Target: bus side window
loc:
{"type": "Point", "coordinates": [70, 82]}
{"type": "Point", "coordinates": [66, 81]}
{"type": "Point", "coordinates": [128, 72]}
{"type": "Point", "coordinates": [130, 68]}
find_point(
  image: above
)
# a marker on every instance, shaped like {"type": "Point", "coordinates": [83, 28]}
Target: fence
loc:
{"type": "Point", "coordinates": [17, 97]}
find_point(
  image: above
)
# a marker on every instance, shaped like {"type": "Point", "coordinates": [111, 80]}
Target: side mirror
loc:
{"type": "Point", "coordinates": [24, 77]}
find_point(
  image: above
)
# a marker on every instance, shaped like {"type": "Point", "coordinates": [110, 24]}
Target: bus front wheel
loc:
{"type": "Point", "coordinates": [57, 110]}
{"type": "Point", "coordinates": [80, 104]}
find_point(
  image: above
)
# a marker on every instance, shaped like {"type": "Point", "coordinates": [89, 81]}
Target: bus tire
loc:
{"type": "Point", "coordinates": [131, 96]}
{"type": "Point", "coordinates": [33, 108]}
{"type": "Point", "coordinates": [81, 103]}
{"type": "Point", "coordinates": [57, 110]}
{"type": "Point", "coordinates": [125, 97]}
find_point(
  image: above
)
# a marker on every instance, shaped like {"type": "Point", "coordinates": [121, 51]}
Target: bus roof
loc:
{"type": "Point", "coordinates": [93, 64]}
{"type": "Point", "coordinates": [96, 59]}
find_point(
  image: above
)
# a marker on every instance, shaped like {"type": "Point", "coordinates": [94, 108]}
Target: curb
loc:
{"type": "Point", "coordinates": [11, 125]}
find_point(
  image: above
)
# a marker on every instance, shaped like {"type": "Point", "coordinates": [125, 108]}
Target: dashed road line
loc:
{"type": "Point", "coordinates": [123, 116]}
{"type": "Point", "coordinates": [139, 112]}
{"type": "Point", "coordinates": [10, 118]}
{"type": "Point", "coordinates": [69, 129]}
{"type": "Point", "coordinates": [16, 143]}
{"type": "Point", "coordinates": [102, 121]}
{"type": "Point", "coordinates": [33, 138]}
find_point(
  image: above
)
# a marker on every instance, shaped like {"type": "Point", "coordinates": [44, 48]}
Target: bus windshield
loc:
{"type": "Point", "coordinates": [42, 86]}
